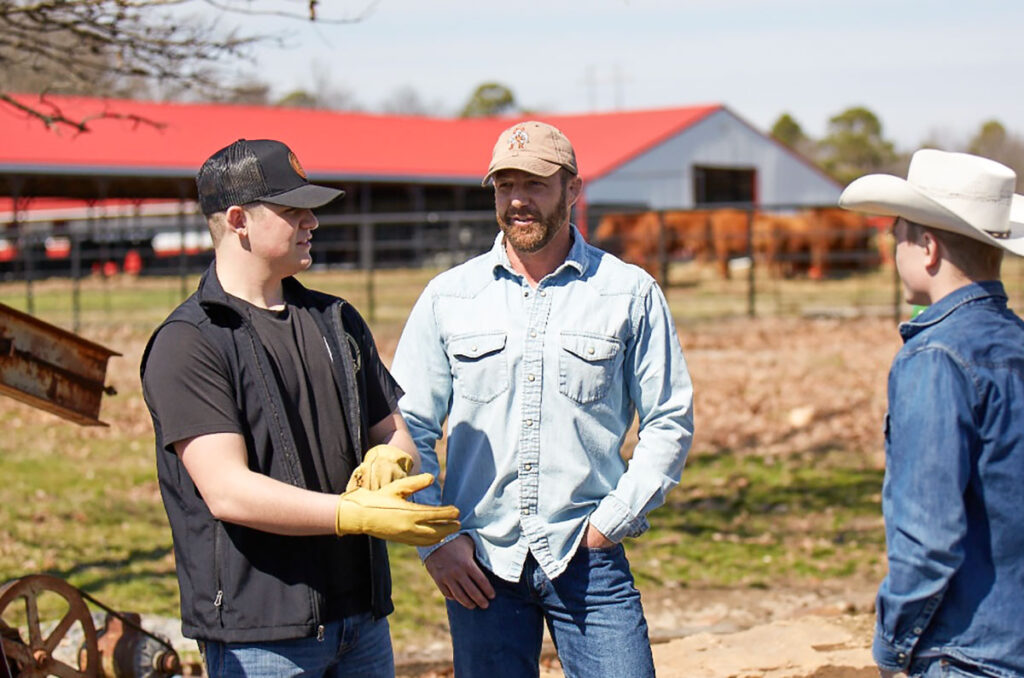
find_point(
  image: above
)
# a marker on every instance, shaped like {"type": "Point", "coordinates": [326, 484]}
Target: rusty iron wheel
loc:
{"type": "Point", "coordinates": [36, 655]}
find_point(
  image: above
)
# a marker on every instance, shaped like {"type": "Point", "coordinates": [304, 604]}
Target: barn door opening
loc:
{"type": "Point", "coordinates": [717, 185]}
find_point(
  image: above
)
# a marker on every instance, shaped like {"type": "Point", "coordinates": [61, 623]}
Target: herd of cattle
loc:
{"type": "Point", "coordinates": [811, 242]}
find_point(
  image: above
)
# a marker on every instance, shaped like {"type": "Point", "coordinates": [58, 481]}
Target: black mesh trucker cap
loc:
{"type": "Point", "coordinates": [259, 170]}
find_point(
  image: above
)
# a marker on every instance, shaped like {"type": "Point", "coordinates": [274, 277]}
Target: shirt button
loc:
{"type": "Point", "coordinates": [530, 377]}
{"type": "Point", "coordinates": [526, 511]}
{"type": "Point", "coordinates": [589, 350]}
{"type": "Point", "coordinates": [527, 467]}
{"type": "Point", "coordinates": [543, 293]}
{"type": "Point", "coordinates": [918, 630]}
{"type": "Point", "coordinates": [528, 423]}
{"type": "Point", "coordinates": [526, 293]}
{"type": "Point", "coordinates": [533, 334]}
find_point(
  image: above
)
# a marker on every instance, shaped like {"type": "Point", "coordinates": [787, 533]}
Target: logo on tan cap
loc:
{"type": "Point", "coordinates": [518, 138]}
{"type": "Point", "coordinates": [294, 162]}
{"type": "Point", "coordinates": [534, 147]}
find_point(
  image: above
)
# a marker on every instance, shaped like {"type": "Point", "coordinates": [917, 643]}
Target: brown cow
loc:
{"type": "Point", "coordinates": [836, 231]}
{"type": "Point", "coordinates": [729, 237]}
{"type": "Point", "coordinates": [639, 238]}
{"type": "Point", "coordinates": [634, 237]}
{"type": "Point", "coordinates": [689, 233]}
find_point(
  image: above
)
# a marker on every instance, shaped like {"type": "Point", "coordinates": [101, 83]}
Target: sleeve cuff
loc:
{"type": "Point", "coordinates": [425, 551]}
{"type": "Point", "coordinates": [887, 655]}
{"type": "Point", "coordinates": [615, 521]}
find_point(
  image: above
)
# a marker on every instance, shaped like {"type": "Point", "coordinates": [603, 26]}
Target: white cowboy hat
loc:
{"type": "Point", "coordinates": [956, 192]}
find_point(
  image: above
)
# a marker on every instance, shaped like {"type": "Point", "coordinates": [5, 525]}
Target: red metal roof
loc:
{"type": "Point", "coordinates": [331, 145]}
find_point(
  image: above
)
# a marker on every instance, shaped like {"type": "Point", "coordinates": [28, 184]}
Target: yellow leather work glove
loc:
{"type": "Point", "coordinates": [386, 514]}
{"type": "Point", "coordinates": [381, 464]}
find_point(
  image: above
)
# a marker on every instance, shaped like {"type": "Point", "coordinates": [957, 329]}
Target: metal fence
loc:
{"type": "Point", "coordinates": [712, 275]}
{"type": "Point", "coordinates": [179, 246]}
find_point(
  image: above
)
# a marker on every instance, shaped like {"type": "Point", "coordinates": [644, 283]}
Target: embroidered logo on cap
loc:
{"type": "Point", "coordinates": [517, 139]}
{"type": "Point", "coordinates": [294, 162]}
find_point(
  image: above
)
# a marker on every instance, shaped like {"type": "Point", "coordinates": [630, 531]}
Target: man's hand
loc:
{"type": "Point", "coordinates": [381, 465]}
{"type": "Point", "coordinates": [593, 539]}
{"type": "Point", "coordinates": [457, 575]}
{"type": "Point", "coordinates": [386, 514]}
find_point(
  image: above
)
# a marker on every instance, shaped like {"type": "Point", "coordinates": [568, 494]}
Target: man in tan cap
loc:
{"type": "Point", "coordinates": [539, 353]}
{"type": "Point", "coordinates": [951, 604]}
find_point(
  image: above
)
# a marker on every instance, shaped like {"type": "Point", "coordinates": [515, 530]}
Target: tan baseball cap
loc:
{"type": "Point", "coordinates": [534, 147]}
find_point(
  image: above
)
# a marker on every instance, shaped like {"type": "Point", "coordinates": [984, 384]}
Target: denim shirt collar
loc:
{"type": "Point", "coordinates": [938, 311]}
{"type": "Point", "coordinates": [576, 258]}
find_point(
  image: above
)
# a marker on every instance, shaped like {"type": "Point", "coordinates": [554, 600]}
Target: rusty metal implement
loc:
{"type": "Point", "coordinates": [51, 368]}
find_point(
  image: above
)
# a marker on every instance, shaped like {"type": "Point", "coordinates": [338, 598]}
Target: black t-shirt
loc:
{"type": "Point", "coordinates": [186, 386]}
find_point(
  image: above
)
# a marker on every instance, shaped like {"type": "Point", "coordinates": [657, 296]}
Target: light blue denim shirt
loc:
{"type": "Point", "coordinates": [539, 387]}
{"type": "Point", "coordinates": [953, 496]}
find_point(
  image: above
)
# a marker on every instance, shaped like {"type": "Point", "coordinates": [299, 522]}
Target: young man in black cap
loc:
{"type": "Point", "coordinates": [278, 438]}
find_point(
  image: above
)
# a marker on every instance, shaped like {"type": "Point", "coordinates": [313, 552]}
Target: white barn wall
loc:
{"type": "Point", "coordinates": [662, 177]}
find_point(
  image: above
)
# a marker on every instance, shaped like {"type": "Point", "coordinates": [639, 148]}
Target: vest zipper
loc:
{"type": "Point", "coordinates": [357, 435]}
{"type": "Point", "coordinates": [218, 602]}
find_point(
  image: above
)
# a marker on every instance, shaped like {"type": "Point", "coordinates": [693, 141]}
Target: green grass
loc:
{"type": "Point", "coordinates": [741, 520]}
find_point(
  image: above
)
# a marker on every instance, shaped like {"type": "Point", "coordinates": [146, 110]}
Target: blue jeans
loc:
{"type": "Point", "coordinates": [943, 667]}
{"type": "Point", "coordinates": [592, 611]}
{"type": "Point", "coordinates": [354, 646]}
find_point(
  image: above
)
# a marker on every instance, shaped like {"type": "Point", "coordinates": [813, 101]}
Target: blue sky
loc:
{"type": "Point", "coordinates": [927, 68]}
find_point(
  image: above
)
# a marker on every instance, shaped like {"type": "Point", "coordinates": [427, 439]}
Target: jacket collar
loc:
{"type": "Point", "coordinates": [577, 258]}
{"type": "Point", "coordinates": [938, 311]}
{"type": "Point", "coordinates": [211, 292]}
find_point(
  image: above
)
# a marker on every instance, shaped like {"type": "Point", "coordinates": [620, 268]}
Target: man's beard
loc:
{"type": "Point", "coordinates": [544, 228]}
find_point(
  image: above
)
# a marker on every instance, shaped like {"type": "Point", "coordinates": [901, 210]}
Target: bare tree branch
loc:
{"type": "Point", "coordinates": [123, 47]}
{"type": "Point", "coordinates": [57, 118]}
{"type": "Point", "coordinates": [310, 13]}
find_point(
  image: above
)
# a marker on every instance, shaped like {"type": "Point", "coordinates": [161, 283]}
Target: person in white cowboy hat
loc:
{"type": "Point", "coordinates": [952, 601]}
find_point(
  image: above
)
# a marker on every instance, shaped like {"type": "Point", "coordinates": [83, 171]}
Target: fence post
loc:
{"type": "Point", "coordinates": [751, 282]}
{"type": "Point", "coordinates": [662, 250]}
{"type": "Point", "coordinates": [76, 271]}
{"type": "Point", "coordinates": [25, 245]}
{"type": "Point", "coordinates": [182, 262]}
{"type": "Point", "coordinates": [366, 262]}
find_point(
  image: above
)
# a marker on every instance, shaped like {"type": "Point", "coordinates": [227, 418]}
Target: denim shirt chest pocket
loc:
{"type": "Point", "coordinates": [587, 365]}
{"type": "Point", "coordinates": [479, 365]}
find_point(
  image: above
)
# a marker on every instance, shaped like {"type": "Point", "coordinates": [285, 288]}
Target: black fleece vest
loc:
{"type": "Point", "coordinates": [238, 584]}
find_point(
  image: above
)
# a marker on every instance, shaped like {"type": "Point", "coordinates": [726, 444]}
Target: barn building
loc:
{"type": "Point", "coordinates": [412, 183]}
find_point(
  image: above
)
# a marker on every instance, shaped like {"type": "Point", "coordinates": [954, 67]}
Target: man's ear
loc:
{"type": "Point", "coordinates": [237, 220]}
{"type": "Point", "coordinates": [574, 190]}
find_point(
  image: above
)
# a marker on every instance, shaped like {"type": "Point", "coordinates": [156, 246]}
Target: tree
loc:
{"type": "Point", "coordinates": [323, 93]}
{"type": "Point", "coordinates": [789, 133]}
{"type": "Point", "coordinates": [989, 140]}
{"type": "Point", "coordinates": [488, 99]}
{"type": "Point", "coordinates": [854, 146]}
{"type": "Point", "coordinates": [994, 142]}
{"type": "Point", "coordinates": [407, 101]}
{"type": "Point", "coordinates": [110, 47]}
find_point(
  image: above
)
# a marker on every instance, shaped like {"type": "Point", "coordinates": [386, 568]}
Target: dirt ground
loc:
{"type": "Point", "coordinates": [734, 633]}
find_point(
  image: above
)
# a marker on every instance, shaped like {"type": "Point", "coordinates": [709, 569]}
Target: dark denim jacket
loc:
{"type": "Point", "coordinates": [953, 496]}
